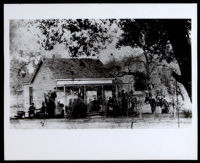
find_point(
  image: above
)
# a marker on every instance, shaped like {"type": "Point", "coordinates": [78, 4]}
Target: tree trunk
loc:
{"type": "Point", "coordinates": [183, 56]}
{"type": "Point", "coordinates": [182, 50]}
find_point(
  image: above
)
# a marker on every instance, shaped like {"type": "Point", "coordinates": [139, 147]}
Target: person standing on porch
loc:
{"type": "Point", "coordinates": [152, 103]}
{"type": "Point", "coordinates": [110, 104]}
{"type": "Point", "coordinates": [53, 95]}
{"type": "Point", "coordinates": [31, 110]}
{"type": "Point", "coordinates": [124, 101]}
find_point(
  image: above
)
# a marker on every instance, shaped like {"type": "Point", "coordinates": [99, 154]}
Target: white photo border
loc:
{"type": "Point", "coordinates": [100, 144]}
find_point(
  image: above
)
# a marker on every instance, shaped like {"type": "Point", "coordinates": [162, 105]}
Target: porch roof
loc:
{"type": "Point", "coordinates": [85, 81]}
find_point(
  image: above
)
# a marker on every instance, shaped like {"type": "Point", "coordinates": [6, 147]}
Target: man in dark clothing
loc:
{"type": "Point", "coordinates": [47, 102]}
{"type": "Point", "coordinates": [43, 108]}
{"type": "Point", "coordinates": [110, 103]}
{"type": "Point", "coordinates": [110, 106]}
{"type": "Point", "coordinates": [165, 106]}
{"type": "Point", "coordinates": [123, 101]}
{"type": "Point", "coordinates": [152, 102]}
{"type": "Point", "coordinates": [32, 110]}
{"type": "Point", "coordinates": [52, 107]}
{"type": "Point", "coordinates": [79, 109]}
{"type": "Point", "coordinates": [95, 105]}
{"type": "Point", "coordinates": [53, 95]}
{"type": "Point", "coordinates": [52, 104]}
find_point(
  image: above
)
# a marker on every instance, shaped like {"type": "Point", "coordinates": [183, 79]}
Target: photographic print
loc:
{"type": "Point", "coordinates": [100, 81]}
{"type": "Point", "coordinates": [100, 73]}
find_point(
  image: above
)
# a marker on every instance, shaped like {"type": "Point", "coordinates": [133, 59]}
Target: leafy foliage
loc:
{"type": "Point", "coordinates": [146, 34]}
{"type": "Point", "coordinates": [80, 36]}
{"type": "Point", "coordinates": [152, 35]}
{"type": "Point", "coordinates": [140, 81]}
{"type": "Point", "coordinates": [18, 72]}
{"type": "Point", "coordinates": [187, 113]}
{"type": "Point", "coordinates": [165, 39]}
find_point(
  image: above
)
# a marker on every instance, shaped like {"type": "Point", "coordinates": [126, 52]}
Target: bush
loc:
{"type": "Point", "coordinates": [140, 81]}
{"type": "Point", "coordinates": [187, 113]}
{"type": "Point", "coordinates": [79, 109]}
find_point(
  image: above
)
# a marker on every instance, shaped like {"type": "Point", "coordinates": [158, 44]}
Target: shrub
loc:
{"type": "Point", "coordinates": [187, 113]}
{"type": "Point", "coordinates": [79, 109]}
{"type": "Point", "coordinates": [140, 81]}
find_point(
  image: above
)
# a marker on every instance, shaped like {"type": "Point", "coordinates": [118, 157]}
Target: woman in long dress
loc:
{"type": "Point", "coordinates": [158, 110]}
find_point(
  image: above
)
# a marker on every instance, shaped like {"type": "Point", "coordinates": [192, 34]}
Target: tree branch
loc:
{"type": "Point", "coordinates": [177, 77]}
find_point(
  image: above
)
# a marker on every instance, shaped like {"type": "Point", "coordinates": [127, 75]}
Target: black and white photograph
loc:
{"type": "Point", "coordinates": [101, 74]}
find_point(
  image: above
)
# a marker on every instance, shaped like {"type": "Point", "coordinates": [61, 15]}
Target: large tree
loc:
{"type": "Point", "coordinates": [80, 36]}
{"type": "Point", "coordinates": [18, 73]}
{"type": "Point", "coordinates": [155, 37]}
{"type": "Point", "coordinates": [178, 32]}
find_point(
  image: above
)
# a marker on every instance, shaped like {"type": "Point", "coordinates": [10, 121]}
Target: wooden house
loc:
{"type": "Point", "coordinates": [72, 78]}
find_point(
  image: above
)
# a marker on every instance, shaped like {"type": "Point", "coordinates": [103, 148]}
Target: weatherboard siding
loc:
{"type": "Point", "coordinates": [43, 82]}
{"type": "Point", "coordinates": [26, 97]}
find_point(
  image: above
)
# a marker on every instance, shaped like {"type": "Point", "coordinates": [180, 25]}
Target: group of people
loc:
{"type": "Point", "coordinates": [128, 102]}
{"type": "Point", "coordinates": [158, 104]}
{"type": "Point", "coordinates": [78, 108]}
{"type": "Point", "coordinates": [116, 104]}
{"type": "Point", "coordinates": [48, 105]}
{"type": "Point", "coordinates": [121, 104]}
{"type": "Point", "coordinates": [124, 102]}
{"type": "Point", "coordinates": [50, 98]}
{"type": "Point", "coordinates": [32, 110]}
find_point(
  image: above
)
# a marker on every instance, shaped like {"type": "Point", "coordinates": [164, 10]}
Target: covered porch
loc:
{"type": "Point", "coordinates": [88, 90]}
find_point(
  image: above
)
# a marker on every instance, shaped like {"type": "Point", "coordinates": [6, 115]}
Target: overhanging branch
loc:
{"type": "Point", "coordinates": [177, 77]}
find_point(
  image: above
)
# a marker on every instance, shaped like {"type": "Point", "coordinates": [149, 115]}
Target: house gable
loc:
{"type": "Point", "coordinates": [50, 70]}
{"type": "Point", "coordinates": [42, 83]}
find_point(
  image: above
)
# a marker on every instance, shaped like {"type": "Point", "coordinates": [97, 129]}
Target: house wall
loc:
{"type": "Point", "coordinates": [16, 103]}
{"type": "Point", "coordinates": [16, 100]}
{"type": "Point", "coordinates": [26, 97]}
{"type": "Point", "coordinates": [43, 82]}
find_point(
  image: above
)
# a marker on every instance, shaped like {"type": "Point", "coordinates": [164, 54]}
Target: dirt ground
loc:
{"type": "Point", "coordinates": [98, 122]}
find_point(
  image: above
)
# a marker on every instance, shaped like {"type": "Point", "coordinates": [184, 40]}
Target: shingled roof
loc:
{"type": "Point", "coordinates": [64, 68]}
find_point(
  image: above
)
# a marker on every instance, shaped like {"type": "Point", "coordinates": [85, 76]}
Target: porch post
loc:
{"type": "Point", "coordinates": [56, 93]}
{"type": "Point", "coordinates": [84, 94]}
{"type": "Point", "coordinates": [64, 101]}
{"type": "Point", "coordinates": [103, 100]}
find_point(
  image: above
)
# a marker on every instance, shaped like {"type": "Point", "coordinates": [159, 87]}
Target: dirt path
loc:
{"type": "Point", "coordinates": [102, 123]}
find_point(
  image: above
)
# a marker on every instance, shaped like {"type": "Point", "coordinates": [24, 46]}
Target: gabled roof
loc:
{"type": "Point", "coordinates": [65, 68]}
{"type": "Point", "coordinates": [27, 78]}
